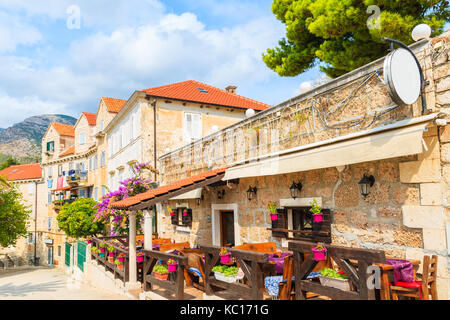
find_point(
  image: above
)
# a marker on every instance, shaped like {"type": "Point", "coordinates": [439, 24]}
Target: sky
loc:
{"type": "Point", "coordinates": [52, 62]}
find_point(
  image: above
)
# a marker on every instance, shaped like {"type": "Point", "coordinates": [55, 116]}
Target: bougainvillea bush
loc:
{"type": "Point", "coordinates": [118, 219]}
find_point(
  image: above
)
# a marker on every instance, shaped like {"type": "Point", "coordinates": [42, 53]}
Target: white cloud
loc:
{"type": "Point", "coordinates": [25, 107]}
{"type": "Point", "coordinates": [14, 32]}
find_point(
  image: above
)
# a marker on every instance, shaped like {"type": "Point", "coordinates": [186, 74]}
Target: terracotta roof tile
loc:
{"type": "Point", "coordinates": [114, 105]}
{"type": "Point", "coordinates": [91, 118]}
{"type": "Point", "coordinates": [199, 92]}
{"type": "Point", "coordinates": [166, 189]}
{"type": "Point", "coordinates": [22, 172]}
{"type": "Point", "coordinates": [64, 129]}
{"type": "Point", "coordinates": [68, 151]}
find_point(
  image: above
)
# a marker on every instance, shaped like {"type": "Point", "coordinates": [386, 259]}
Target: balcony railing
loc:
{"type": "Point", "coordinates": [77, 176]}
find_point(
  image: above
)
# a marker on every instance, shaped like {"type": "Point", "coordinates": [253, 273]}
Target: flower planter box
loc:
{"type": "Point", "coordinates": [111, 259]}
{"type": "Point", "coordinates": [342, 284]}
{"type": "Point", "coordinates": [161, 276]}
{"type": "Point", "coordinates": [230, 279]}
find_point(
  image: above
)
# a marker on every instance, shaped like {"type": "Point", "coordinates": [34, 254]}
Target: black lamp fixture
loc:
{"type": "Point", "coordinates": [199, 200]}
{"type": "Point", "coordinates": [295, 189]}
{"type": "Point", "coordinates": [365, 184]}
{"type": "Point", "coordinates": [220, 194]}
{"type": "Point", "coordinates": [251, 192]}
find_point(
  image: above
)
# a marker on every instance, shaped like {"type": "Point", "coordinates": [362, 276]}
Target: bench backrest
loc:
{"type": "Point", "coordinates": [265, 247]}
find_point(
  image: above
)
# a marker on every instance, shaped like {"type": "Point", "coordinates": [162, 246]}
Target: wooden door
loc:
{"type": "Point", "coordinates": [227, 228]}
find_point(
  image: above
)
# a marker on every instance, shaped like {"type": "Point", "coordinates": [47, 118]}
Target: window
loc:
{"type": "Point", "coordinates": [101, 125]}
{"type": "Point", "coordinates": [82, 138]}
{"type": "Point", "coordinates": [51, 146]}
{"type": "Point", "coordinates": [103, 191]}
{"type": "Point", "coordinates": [96, 193]}
{"type": "Point", "coordinates": [82, 193]}
{"type": "Point", "coordinates": [49, 223]}
{"type": "Point", "coordinates": [90, 163]}
{"type": "Point", "coordinates": [111, 145]}
{"type": "Point", "coordinates": [50, 172]}
{"type": "Point", "coordinates": [70, 165]}
{"type": "Point", "coordinates": [103, 159]}
{"type": "Point", "coordinates": [95, 164]}
{"type": "Point", "coordinates": [30, 238]}
{"type": "Point", "coordinates": [59, 251]}
{"type": "Point", "coordinates": [186, 220]}
{"type": "Point", "coordinates": [119, 139]}
{"type": "Point", "coordinates": [49, 198]}
{"type": "Point", "coordinates": [31, 188]}
{"type": "Point", "coordinates": [192, 126]}
{"type": "Point", "coordinates": [60, 170]}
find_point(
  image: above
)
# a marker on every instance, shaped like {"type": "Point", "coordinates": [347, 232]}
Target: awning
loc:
{"type": "Point", "coordinates": [62, 189]}
{"type": "Point", "coordinates": [194, 194]}
{"type": "Point", "coordinates": [400, 139]}
{"type": "Point", "coordinates": [148, 199]}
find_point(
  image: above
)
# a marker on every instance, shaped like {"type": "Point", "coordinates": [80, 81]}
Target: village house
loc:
{"type": "Point", "coordinates": [27, 179]}
{"type": "Point", "coordinates": [379, 170]}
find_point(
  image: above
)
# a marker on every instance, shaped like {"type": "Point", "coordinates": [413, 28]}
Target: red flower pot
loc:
{"type": "Point", "coordinates": [120, 266]}
{"type": "Point", "coordinates": [274, 216]}
{"type": "Point", "coordinates": [121, 259]}
{"type": "Point", "coordinates": [318, 217]}
{"type": "Point", "coordinates": [185, 214]}
{"type": "Point", "coordinates": [225, 258]}
{"type": "Point", "coordinates": [140, 258]}
{"type": "Point", "coordinates": [161, 276]}
{"type": "Point", "coordinates": [102, 249]}
{"type": "Point", "coordinates": [172, 214]}
{"type": "Point", "coordinates": [111, 254]}
{"type": "Point", "coordinates": [111, 259]}
{"type": "Point", "coordinates": [319, 255]}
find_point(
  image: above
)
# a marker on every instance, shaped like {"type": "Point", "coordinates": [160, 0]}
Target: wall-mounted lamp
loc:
{"type": "Point", "coordinates": [295, 189]}
{"type": "Point", "coordinates": [220, 194]}
{"type": "Point", "coordinates": [199, 200]}
{"type": "Point", "coordinates": [251, 193]}
{"type": "Point", "coordinates": [365, 184]}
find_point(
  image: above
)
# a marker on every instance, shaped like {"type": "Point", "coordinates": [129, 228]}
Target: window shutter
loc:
{"type": "Point", "coordinates": [49, 198]}
{"type": "Point", "coordinates": [31, 188]}
{"type": "Point", "coordinates": [281, 223]}
{"type": "Point", "coordinates": [197, 126]}
{"type": "Point", "coordinates": [187, 221]}
{"type": "Point", "coordinates": [188, 127]}
{"type": "Point", "coordinates": [175, 217]}
{"type": "Point", "coordinates": [49, 223]}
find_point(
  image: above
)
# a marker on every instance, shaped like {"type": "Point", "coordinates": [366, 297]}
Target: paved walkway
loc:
{"type": "Point", "coordinates": [48, 284]}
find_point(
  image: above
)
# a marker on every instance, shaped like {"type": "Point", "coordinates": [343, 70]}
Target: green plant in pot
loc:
{"type": "Point", "coordinates": [119, 264]}
{"type": "Point", "coordinates": [161, 272]}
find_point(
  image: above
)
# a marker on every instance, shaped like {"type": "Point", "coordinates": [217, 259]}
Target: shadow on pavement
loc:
{"type": "Point", "coordinates": [11, 290]}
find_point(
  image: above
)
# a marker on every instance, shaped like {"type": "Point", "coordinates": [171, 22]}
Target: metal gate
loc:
{"type": "Point", "coordinates": [67, 252]}
{"type": "Point", "coordinates": [81, 254]}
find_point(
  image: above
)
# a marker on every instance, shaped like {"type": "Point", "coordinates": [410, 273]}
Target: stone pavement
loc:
{"type": "Point", "coordinates": [48, 284]}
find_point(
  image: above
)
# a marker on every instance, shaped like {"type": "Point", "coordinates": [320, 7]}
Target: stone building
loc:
{"type": "Point", "coordinates": [329, 140]}
{"type": "Point", "coordinates": [27, 179]}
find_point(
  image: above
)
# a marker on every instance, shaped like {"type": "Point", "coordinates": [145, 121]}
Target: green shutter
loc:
{"type": "Point", "coordinates": [81, 254]}
{"type": "Point", "coordinates": [67, 251]}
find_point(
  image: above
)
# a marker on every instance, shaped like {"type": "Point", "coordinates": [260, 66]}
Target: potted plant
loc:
{"type": "Point", "coordinates": [121, 257]}
{"type": "Point", "coordinates": [102, 249]}
{"type": "Point", "coordinates": [139, 256]}
{"type": "Point", "coordinates": [119, 264]}
{"type": "Point", "coordinates": [161, 272]}
{"type": "Point", "coordinates": [172, 265]}
{"type": "Point", "coordinates": [224, 256]}
{"type": "Point", "coordinates": [94, 250]}
{"type": "Point", "coordinates": [111, 253]}
{"type": "Point", "coordinates": [185, 212]}
{"type": "Point", "coordinates": [170, 211]}
{"type": "Point", "coordinates": [227, 274]}
{"type": "Point", "coordinates": [273, 211]}
{"type": "Point", "coordinates": [319, 252]}
{"type": "Point", "coordinates": [316, 211]}
{"type": "Point", "coordinates": [336, 279]}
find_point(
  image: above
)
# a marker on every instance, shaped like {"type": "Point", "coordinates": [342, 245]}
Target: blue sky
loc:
{"type": "Point", "coordinates": [127, 45]}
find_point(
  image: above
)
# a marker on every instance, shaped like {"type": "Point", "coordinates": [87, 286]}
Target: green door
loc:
{"type": "Point", "coordinates": [68, 249]}
{"type": "Point", "coordinates": [81, 254]}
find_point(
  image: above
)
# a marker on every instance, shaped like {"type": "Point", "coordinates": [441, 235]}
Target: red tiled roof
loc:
{"type": "Point", "coordinates": [189, 91]}
{"type": "Point", "coordinates": [68, 151]}
{"type": "Point", "coordinates": [114, 105]}
{"type": "Point", "coordinates": [22, 172]}
{"type": "Point", "coordinates": [91, 118]}
{"type": "Point", "coordinates": [64, 129]}
{"type": "Point", "coordinates": [166, 189]}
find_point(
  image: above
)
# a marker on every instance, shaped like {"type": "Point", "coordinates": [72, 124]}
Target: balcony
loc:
{"type": "Point", "coordinates": [58, 204]}
{"type": "Point", "coordinates": [77, 177]}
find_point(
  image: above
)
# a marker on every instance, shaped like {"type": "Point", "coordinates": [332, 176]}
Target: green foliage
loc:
{"type": "Point", "coordinates": [227, 271]}
{"type": "Point", "coordinates": [13, 217]}
{"type": "Point", "coordinates": [331, 273]}
{"type": "Point", "coordinates": [335, 33]}
{"type": "Point", "coordinates": [315, 209]}
{"type": "Point", "coordinates": [161, 268]}
{"type": "Point", "coordinates": [8, 163]}
{"type": "Point", "coordinates": [77, 219]}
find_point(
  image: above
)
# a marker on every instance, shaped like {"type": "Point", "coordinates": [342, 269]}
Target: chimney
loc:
{"type": "Point", "coordinates": [231, 89]}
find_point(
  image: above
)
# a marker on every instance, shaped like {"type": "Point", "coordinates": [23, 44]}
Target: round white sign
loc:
{"type": "Point", "coordinates": [402, 77]}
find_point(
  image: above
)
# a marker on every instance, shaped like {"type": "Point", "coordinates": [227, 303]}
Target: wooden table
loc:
{"type": "Point", "coordinates": [385, 293]}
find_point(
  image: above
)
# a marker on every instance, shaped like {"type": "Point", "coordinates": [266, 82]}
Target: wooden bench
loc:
{"type": "Point", "coordinates": [174, 246]}
{"type": "Point", "coordinates": [161, 241]}
{"type": "Point", "coordinates": [264, 247]}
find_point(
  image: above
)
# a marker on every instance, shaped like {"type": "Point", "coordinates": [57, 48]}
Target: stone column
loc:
{"type": "Point", "coordinates": [132, 247]}
{"type": "Point", "coordinates": [148, 222]}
